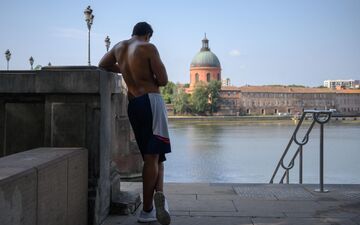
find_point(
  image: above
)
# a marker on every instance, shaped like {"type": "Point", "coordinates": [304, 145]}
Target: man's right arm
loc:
{"type": "Point", "coordinates": [157, 66]}
{"type": "Point", "coordinates": [108, 62]}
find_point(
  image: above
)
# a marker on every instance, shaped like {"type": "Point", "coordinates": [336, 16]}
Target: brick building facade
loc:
{"type": "Point", "coordinates": [268, 100]}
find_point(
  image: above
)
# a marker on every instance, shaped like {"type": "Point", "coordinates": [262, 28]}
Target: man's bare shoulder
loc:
{"type": "Point", "coordinates": [121, 44]}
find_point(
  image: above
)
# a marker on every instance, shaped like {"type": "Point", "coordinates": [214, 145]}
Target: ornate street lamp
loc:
{"type": "Point", "coordinates": [107, 43]}
{"type": "Point", "coordinates": [49, 64]}
{"type": "Point", "coordinates": [7, 56]}
{"type": "Point", "coordinates": [31, 60]}
{"type": "Point", "coordinates": [89, 18]}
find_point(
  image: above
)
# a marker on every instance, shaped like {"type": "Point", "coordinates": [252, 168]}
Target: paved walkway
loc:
{"type": "Point", "coordinates": [255, 204]}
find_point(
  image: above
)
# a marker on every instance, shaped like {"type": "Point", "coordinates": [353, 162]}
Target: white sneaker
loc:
{"type": "Point", "coordinates": [145, 217]}
{"type": "Point", "coordinates": [162, 208]}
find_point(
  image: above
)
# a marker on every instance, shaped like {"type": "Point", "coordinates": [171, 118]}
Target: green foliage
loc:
{"type": "Point", "coordinates": [199, 99]}
{"type": "Point", "coordinates": [281, 85]}
{"type": "Point", "coordinates": [181, 101]}
{"type": "Point", "coordinates": [203, 99]}
{"type": "Point", "coordinates": [168, 91]}
{"type": "Point", "coordinates": [213, 89]}
{"type": "Point", "coordinates": [187, 85]}
{"type": "Point", "coordinates": [38, 67]}
{"type": "Point", "coordinates": [296, 85]}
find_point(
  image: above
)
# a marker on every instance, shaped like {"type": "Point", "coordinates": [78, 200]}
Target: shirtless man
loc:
{"type": "Point", "coordinates": [143, 71]}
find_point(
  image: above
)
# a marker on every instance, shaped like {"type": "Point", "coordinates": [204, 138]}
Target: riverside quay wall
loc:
{"type": "Point", "coordinates": [268, 100]}
{"type": "Point", "coordinates": [71, 107]}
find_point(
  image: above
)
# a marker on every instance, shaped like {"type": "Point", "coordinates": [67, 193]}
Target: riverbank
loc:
{"type": "Point", "coordinates": [230, 118]}
{"type": "Point", "coordinates": [253, 118]}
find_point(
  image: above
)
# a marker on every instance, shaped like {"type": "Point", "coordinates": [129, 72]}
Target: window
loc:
{"type": "Point", "coordinates": [276, 111]}
{"type": "Point", "coordinates": [289, 110]}
{"type": "Point", "coordinates": [247, 111]}
{"type": "Point", "coordinates": [218, 76]}
{"type": "Point", "coordinates": [208, 77]}
{"type": "Point", "coordinates": [196, 77]}
{"type": "Point", "coordinates": [263, 111]}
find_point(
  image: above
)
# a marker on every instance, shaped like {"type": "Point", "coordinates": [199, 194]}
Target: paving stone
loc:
{"type": "Point", "coordinates": [218, 197]}
{"type": "Point", "coordinates": [202, 205]}
{"type": "Point", "coordinates": [302, 221]}
{"type": "Point", "coordinates": [275, 206]}
{"type": "Point", "coordinates": [197, 220]}
{"type": "Point", "coordinates": [317, 214]}
{"type": "Point", "coordinates": [356, 219]}
{"type": "Point", "coordinates": [339, 192]}
{"type": "Point", "coordinates": [180, 197]}
{"type": "Point", "coordinates": [179, 213]}
{"type": "Point", "coordinates": [238, 214]}
{"type": "Point", "coordinates": [197, 188]}
{"type": "Point", "coordinates": [257, 204]}
{"type": "Point", "coordinates": [273, 192]}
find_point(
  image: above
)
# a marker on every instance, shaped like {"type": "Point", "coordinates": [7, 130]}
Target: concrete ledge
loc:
{"type": "Point", "coordinates": [44, 186]}
{"type": "Point", "coordinates": [66, 79]}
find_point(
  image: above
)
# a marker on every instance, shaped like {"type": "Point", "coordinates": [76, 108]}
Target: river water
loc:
{"type": "Point", "coordinates": [247, 152]}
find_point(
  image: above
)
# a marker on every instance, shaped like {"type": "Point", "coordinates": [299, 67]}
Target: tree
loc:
{"type": "Point", "coordinates": [199, 98]}
{"type": "Point", "coordinates": [181, 101]}
{"type": "Point", "coordinates": [168, 91]}
{"type": "Point", "coordinates": [213, 90]}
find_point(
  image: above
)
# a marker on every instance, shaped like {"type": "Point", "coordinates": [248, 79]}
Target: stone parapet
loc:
{"type": "Point", "coordinates": [74, 106]}
{"type": "Point", "coordinates": [44, 186]}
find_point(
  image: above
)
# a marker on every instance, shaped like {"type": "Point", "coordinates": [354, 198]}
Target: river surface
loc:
{"type": "Point", "coordinates": [247, 152]}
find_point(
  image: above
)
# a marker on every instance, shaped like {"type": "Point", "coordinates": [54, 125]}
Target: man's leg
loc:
{"type": "Point", "coordinates": [150, 177]}
{"type": "Point", "coordinates": [161, 205]}
{"type": "Point", "coordinates": [160, 179]}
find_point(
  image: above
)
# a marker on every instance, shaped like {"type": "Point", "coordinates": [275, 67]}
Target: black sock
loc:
{"type": "Point", "coordinates": [148, 210]}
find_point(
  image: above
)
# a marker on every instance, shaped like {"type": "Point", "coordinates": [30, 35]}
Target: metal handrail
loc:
{"type": "Point", "coordinates": [318, 117]}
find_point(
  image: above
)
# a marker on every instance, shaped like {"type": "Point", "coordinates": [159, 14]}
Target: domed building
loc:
{"type": "Point", "coordinates": [205, 66]}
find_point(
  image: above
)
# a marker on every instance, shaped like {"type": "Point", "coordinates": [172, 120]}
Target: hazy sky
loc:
{"type": "Point", "coordinates": [257, 42]}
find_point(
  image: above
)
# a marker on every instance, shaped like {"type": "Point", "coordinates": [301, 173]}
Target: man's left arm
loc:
{"type": "Point", "coordinates": [108, 62]}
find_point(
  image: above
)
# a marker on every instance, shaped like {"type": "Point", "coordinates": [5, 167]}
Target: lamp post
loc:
{"type": "Point", "coordinates": [7, 56]}
{"type": "Point", "coordinates": [49, 64]}
{"type": "Point", "coordinates": [107, 43]}
{"type": "Point", "coordinates": [31, 60]}
{"type": "Point", "coordinates": [89, 18]}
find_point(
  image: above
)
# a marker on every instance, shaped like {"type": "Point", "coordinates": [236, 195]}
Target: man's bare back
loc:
{"type": "Point", "coordinates": [140, 64]}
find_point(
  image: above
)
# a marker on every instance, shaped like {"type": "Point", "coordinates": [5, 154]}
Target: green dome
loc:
{"type": "Point", "coordinates": [205, 58]}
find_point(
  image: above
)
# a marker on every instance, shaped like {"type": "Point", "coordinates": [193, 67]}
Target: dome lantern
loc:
{"type": "Point", "coordinates": [205, 44]}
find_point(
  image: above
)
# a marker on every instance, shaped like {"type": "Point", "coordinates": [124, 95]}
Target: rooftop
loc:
{"type": "Point", "coordinates": [287, 89]}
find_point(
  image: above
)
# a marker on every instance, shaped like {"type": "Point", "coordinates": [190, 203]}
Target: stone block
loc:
{"type": "Point", "coordinates": [77, 188]}
{"type": "Point", "coordinates": [52, 193]}
{"type": "Point", "coordinates": [18, 189]}
{"type": "Point", "coordinates": [23, 126]}
{"type": "Point", "coordinates": [125, 203]}
{"type": "Point", "coordinates": [68, 128]}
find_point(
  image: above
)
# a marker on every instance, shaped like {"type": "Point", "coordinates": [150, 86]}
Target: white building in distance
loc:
{"type": "Point", "coordinates": [342, 84]}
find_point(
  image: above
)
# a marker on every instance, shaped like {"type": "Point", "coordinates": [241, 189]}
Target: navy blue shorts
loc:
{"type": "Point", "coordinates": [148, 118]}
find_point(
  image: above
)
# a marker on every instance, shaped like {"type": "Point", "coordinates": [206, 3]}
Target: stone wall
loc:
{"type": "Point", "coordinates": [45, 186]}
{"type": "Point", "coordinates": [70, 107]}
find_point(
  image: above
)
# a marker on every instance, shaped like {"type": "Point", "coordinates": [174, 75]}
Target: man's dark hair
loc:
{"type": "Point", "coordinates": [142, 28]}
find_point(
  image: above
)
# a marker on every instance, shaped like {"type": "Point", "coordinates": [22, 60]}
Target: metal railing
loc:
{"type": "Point", "coordinates": [319, 116]}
